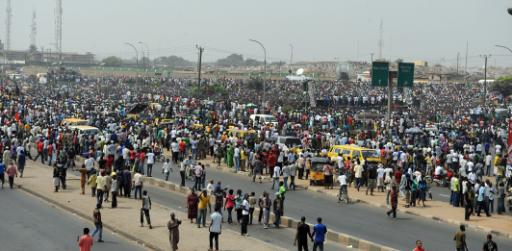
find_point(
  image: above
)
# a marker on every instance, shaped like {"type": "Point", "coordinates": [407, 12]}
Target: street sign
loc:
{"type": "Point", "coordinates": [380, 73]}
{"type": "Point", "coordinates": [405, 74]}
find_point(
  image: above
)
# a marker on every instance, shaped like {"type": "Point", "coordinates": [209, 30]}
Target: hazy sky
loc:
{"type": "Point", "coordinates": [432, 30]}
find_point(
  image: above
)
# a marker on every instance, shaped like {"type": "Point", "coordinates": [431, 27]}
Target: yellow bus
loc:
{"type": "Point", "coordinates": [354, 152]}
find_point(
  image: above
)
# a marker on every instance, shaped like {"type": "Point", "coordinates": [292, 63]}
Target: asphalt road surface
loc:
{"type": "Point", "coordinates": [282, 237]}
{"type": "Point", "coordinates": [360, 220]}
{"type": "Point", "coordinates": [28, 223]}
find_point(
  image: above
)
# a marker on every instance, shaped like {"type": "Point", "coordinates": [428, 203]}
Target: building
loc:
{"type": "Point", "coordinates": [46, 57]}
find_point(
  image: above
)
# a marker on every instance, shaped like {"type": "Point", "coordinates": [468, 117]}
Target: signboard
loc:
{"type": "Point", "coordinates": [380, 73]}
{"type": "Point", "coordinates": [405, 74]}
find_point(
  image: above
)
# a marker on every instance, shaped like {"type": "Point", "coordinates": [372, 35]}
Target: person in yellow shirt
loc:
{"type": "Point", "coordinates": [204, 200]}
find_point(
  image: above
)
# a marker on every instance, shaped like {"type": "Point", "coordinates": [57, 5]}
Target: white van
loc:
{"type": "Point", "coordinates": [263, 119]}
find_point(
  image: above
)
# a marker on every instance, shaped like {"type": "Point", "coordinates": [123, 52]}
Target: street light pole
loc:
{"type": "Point", "coordinates": [265, 69]}
{"type": "Point", "coordinates": [147, 51]}
{"type": "Point", "coordinates": [136, 52]}
{"type": "Point", "coordinates": [143, 55]}
{"type": "Point", "coordinates": [504, 47]}
{"type": "Point", "coordinates": [291, 54]}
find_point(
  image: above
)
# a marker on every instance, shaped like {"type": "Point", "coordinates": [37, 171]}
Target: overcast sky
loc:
{"type": "Point", "coordinates": [432, 30]}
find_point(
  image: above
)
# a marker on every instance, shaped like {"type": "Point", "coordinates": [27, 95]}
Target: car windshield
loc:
{"type": "Point", "coordinates": [292, 142]}
{"type": "Point", "coordinates": [371, 154]}
{"type": "Point", "coordinates": [270, 119]}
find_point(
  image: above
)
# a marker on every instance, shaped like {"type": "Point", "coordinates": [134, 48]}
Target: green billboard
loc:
{"type": "Point", "coordinates": [405, 74]}
{"type": "Point", "coordinates": [380, 73]}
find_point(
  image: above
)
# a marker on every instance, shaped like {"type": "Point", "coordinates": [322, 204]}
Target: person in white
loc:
{"type": "Point", "coordinates": [166, 169]}
{"type": "Point", "coordinates": [215, 228]}
{"type": "Point", "coordinates": [380, 178]}
{"type": "Point", "coordinates": [275, 176]}
{"type": "Point", "coordinates": [150, 161]}
{"type": "Point", "coordinates": [343, 194]}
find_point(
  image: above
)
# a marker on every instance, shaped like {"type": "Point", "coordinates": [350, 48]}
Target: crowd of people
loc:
{"type": "Point", "coordinates": [432, 138]}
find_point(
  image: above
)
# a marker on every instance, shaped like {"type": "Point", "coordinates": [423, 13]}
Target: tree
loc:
{"type": "Point", "coordinates": [112, 61]}
{"type": "Point", "coordinates": [173, 62]}
{"type": "Point", "coordinates": [231, 60]}
{"type": "Point", "coordinates": [503, 85]}
{"type": "Point", "coordinates": [32, 48]}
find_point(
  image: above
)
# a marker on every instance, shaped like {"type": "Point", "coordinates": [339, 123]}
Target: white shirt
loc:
{"type": "Point", "coordinates": [151, 158]}
{"type": "Point", "coordinates": [245, 207]}
{"type": "Point", "coordinates": [166, 167]}
{"type": "Point", "coordinates": [342, 179]}
{"type": "Point", "coordinates": [89, 164]}
{"type": "Point", "coordinates": [216, 225]}
{"type": "Point", "coordinates": [380, 172]}
{"type": "Point", "coordinates": [439, 170]}
{"type": "Point", "coordinates": [137, 179]}
{"type": "Point", "coordinates": [277, 172]}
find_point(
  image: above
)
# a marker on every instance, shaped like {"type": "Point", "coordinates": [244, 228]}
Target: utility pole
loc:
{"type": "Point", "coordinates": [371, 57]}
{"type": "Point", "coordinates": [58, 28]}
{"type": "Point", "coordinates": [381, 38]}
{"type": "Point", "coordinates": [458, 64]}
{"type": "Point", "coordinates": [291, 55]}
{"type": "Point", "coordinates": [485, 81]}
{"type": "Point", "coordinates": [33, 30]}
{"type": "Point", "coordinates": [8, 24]}
{"type": "Point", "coordinates": [466, 64]}
{"type": "Point", "coordinates": [199, 64]}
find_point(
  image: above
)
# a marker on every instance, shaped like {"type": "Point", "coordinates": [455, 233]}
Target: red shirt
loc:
{"type": "Point", "coordinates": [419, 249]}
{"type": "Point", "coordinates": [182, 146]}
{"type": "Point", "coordinates": [40, 146]}
{"type": "Point", "coordinates": [85, 243]}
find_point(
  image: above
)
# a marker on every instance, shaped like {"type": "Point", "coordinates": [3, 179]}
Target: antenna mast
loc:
{"type": "Point", "coordinates": [33, 30]}
{"type": "Point", "coordinates": [8, 22]}
{"type": "Point", "coordinates": [58, 28]}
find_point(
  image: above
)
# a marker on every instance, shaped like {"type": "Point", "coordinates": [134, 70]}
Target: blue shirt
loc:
{"type": "Point", "coordinates": [319, 231]}
{"type": "Point", "coordinates": [2, 168]}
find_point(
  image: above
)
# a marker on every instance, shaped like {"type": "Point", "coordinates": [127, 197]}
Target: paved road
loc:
{"type": "Point", "coordinates": [28, 223]}
{"type": "Point", "coordinates": [278, 237]}
{"type": "Point", "coordinates": [359, 219]}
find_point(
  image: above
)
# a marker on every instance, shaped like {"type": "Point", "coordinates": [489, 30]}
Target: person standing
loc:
{"type": "Point", "coordinates": [137, 182]}
{"type": "Point", "coordinates": [358, 174]}
{"type": "Point", "coordinates": [319, 232]}
{"type": "Point", "coordinates": [2, 174]}
{"type": "Point", "coordinates": [489, 244]}
{"type": "Point", "coordinates": [267, 204]}
{"type": "Point", "coordinates": [174, 232]}
{"type": "Point", "coordinates": [21, 162]}
{"type": "Point", "coordinates": [393, 196]}
{"type": "Point", "coordinates": [469, 200]}
{"type": "Point", "coordinates": [100, 188]}
{"type": "Point", "coordinates": [419, 246]}
{"type": "Point", "coordinates": [301, 237]}
{"type": "Point", "coordinates": [343, 193]}
{"type": "Point", "coordinates": [166, 169]}
{"type": "Point", "coordinates": [83, 178]}
{"type": "Point", "coordinates": [277, 210]}
{"type": "Point", "coordinates": [480, 200]}
{"type": "Point", "coordinates": [252, 205]}
{"type": "Point", "coordinates": [183, 167]}
{"type": "Point", "coordinates": [12, 171]}
{"type": "Point", "coordinates": [192, 203]}
{"type": "Point", "coordinates": [85, 241]}
{"type": "Point", "coordinates": [96, 215]}
{"type": "Point", "coordinates": [150, 162]}
{"type": "Point", "coordinates": [144, 211]}
{"type": "Point", "coordinates": [198, 173]}
{"type": "Point", "coordinates": [204, 201]}
{"type": "Point", "coordinates": [275, 176]}
{"type": "Point", "coordinates": [229, 204]}
{"type": "Point", "coordinates": [114, 189]}
{"type": "Point", "coordinates": [215, 228]}
{"type": "Point", "coordinates": [245, 215]}
{"type": "Point", "coordinates": [460, 239]}
{"type": "Point", "coordinates": [293, 172]}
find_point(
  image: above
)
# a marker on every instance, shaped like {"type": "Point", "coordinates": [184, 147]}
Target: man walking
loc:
{"type": "Point", "coordinates": [319, 232]}
{"type": "Point", "coordinates": [460, 239]}
{"type": "Point", "coordinates": [96, 215]}
{"type": "Point", "coordinates": [12, 171]}
{"type": "Point", "coordinates": [394, 201]}
{"type": "Point", "coordinates": [301, 237]}
{"type": "Point", "coordinates": [174, 232]}
{"type": "Point", "coordinates": [144, 211]}
{"type": "Point", "coordinates": [245, 215]}
{"type": "Point", "coordinates": [85, 242]}
{"type": "Point", "coordinates": [150, 162]}
{"type": "Point", "coordinates": [490, 245]}
{"type": "Point", "coordinates": [204, 201]}
{"type": "Point", "coordinates": [275, 176]}
{"type": "Point", "coordinates": [2, 174]}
